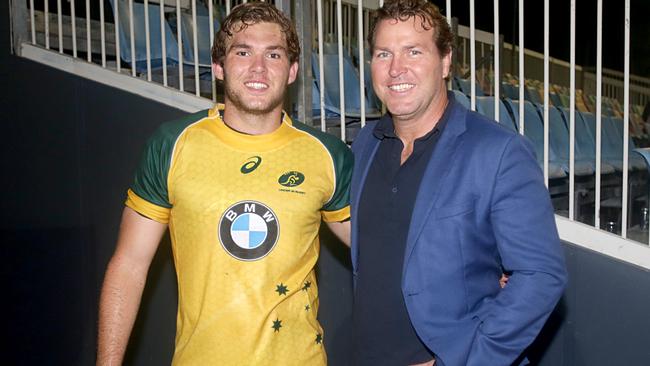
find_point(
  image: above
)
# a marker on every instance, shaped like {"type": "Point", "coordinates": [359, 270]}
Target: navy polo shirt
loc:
{"type": "Point", "coordinates": [383, 331]}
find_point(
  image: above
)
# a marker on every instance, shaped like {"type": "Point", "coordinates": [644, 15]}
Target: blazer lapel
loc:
{"type": "Point", "coordinates": [436, 171]}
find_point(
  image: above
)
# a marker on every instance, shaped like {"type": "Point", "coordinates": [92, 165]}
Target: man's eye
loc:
{"type": "Point", "coordinates": [242, 53]}
{"type": "Point", "coordinates": [275, 55]}
{"type": "Point", "coordinates": [382, 54]}
{"type": "Point", "coordinates": [414, 52]}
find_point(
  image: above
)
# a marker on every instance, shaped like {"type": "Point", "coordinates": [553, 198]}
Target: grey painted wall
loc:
{"type": "Point", "coordinates": [69, 149]}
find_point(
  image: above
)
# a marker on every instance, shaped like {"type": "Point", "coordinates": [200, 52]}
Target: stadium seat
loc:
{"type": "Point", "coordinates": [485, 106]}
{"type": "Point", "coordinates": [465, 86]}
{"type": "Point", "coordinates": [461, 98]}
{"type": "Point", "coordinates": [351, 86]}
{"type": "Point", "coordinates": [534, 130]}
{"type": "Point", "coordinates": [155, 47]}
{"type": "Point", "coordinates": [559, 140]}
{"type": "Point", "coordinates": [202, 36]}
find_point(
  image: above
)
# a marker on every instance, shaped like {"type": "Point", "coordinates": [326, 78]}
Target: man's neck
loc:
{"type": "Point", "coordinates": [410, 129]}
{"type": "Point", "coordinates": [250, 123]}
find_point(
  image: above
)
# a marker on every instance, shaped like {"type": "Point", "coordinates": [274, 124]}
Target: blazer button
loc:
{"type": "Point", "coordinates": [394, 190]}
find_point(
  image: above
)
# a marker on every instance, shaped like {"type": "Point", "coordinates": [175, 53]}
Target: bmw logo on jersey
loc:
{"type": "Point", "coordinates": [249, 230]}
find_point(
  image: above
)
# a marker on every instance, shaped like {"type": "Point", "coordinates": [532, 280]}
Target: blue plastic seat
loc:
{"type": "Point", "coordinates": [509, 91]}
{"type": "Point", "coordinates": [607, 162]}
{"type": "Point", "coordinates": [613, 146]}
{"type": "Point", "coordinates": [534, 130]}
{"type": "Point", "coordinates": [332, 90]}
{"type": "Point", "coordinates": [465, 86]}
{"type": "Point", "coordinates": [585, 143]}
{"type": "Point", "coordinates": [485, 106]}
{"type": "Point", "coordinates": [155, 38]}
{"type": "Point", "coordinates": [202, 37]}
{"type": "Point", "coordinates": [461, 98]}
{"type": "Point", "coordinates": [559, 140]}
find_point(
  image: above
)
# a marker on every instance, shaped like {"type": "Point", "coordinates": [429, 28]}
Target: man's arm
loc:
{"type": "Point", "coordinates": [524, 228]}
{"type": "Point", "coordinates": [341, 230]}
{"type": "Point", "coordinates": [123, 284]}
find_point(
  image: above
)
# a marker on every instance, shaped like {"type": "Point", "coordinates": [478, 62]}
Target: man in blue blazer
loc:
{"type": "Point", "coordinates": [444, 201]}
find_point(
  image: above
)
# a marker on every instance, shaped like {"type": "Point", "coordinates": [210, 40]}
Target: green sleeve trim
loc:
{"type": "Point", "coordinates": [343, 163]}
{"type": "Point", "coordinates": [150, 181]}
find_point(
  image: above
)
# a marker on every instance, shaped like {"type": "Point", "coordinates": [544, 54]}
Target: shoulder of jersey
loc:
{"type": "Point", "coordinates": [331, 142]}
{"type": "Point", "coordinates": [172, 129]}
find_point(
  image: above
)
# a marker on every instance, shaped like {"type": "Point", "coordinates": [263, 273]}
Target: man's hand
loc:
{"type": "Point", "coordinates": [503, 280]}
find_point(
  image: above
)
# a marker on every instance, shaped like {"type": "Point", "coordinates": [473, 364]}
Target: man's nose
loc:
{"type": "Point", "coordinates": [396, 67]}
{"type": "Point", "coordinates": [258, 63]}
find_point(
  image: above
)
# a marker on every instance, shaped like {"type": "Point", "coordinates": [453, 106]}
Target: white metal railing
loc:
{"type": "Point", "coordinates": [167, 65]}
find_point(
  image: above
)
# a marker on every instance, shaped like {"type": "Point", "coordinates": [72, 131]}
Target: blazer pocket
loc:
{"type": "Point", "coordinates": [454, 210]}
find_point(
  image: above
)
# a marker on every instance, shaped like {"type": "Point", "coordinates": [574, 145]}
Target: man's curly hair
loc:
{"type": "Point", "coordinates": [251, 13]}
{"type": "Point", "coordinates": [428, 15]}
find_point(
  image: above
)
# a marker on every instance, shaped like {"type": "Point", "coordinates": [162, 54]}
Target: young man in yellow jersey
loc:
{"type": "Point", "coordinates": [243, 189]}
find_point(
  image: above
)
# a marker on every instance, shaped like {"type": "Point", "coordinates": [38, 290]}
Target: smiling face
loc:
{"type": "Point", "coordinates": [408, 72]}
{"type": "Point", "coordinates": [256, 70]}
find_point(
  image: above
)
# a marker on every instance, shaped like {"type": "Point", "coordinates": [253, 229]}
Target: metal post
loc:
{"type": "Point", "coordinates": [522, 83]}
{"type": "Point", "coordinates": [546, 92]}
{"type": "Point", "coordinates": [626, 118]}
{"type": "Point", "coordinates": [304, 81]}
{"type": "Point", "coordinates": [599, 71]}
{"type": "Point", "coordinates": [572, 108]}
{"type": "Point", "coordinates": [497, 77]}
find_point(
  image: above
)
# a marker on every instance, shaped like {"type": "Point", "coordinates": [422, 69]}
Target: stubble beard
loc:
{"type": "Point", "coordinates": [255, 108]}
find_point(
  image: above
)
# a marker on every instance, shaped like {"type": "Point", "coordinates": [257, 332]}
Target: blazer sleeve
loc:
{"type": "Point", "coordinates": [523, 223]}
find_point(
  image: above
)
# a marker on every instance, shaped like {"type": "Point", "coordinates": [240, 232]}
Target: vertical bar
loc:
{"type": "Point", "coordinates": [73, 26]}
{"type": "Point", "coordinates": [339, 28]}
{"type": "Point", "coordinates": [522, 83]}
{"type": "Point", "coordinates": [147, 40]}
{"type": "Point", "coordinates": [497, 77]}
{"type": "Point", "coordinates": [46, 10]}
{"type": "Point", "coordinates": [472, 56]}
{"type": "Point", "coordinates": [381, 3]}
{"type": "Point", "coordinates": [348, 33]}
{"type": "Point", "coordinates": [626, 118]}
{"type": "Point", "coordinates": [32, 23]}
{"type": "Point", "coordinates": [227, 7]}
{"type": "Point", "coordinates": [546, 91]}
{"type": "Point", "coordinates": [304, 83]}
{"type": "Point", "coordinates": [88, 43]}
{"type": "Point", "coordinates": [197, 85]}
{"type": "Point", "coordinates": [102, 31]}
{"type": "Point", "coordinates": [599, 71]}
{"type": "Point", "coordinates": [163, 41]}
{"type": "Point", "coordinates": [180, 44]}
{"type": "Point", "coordinates": [321, 77]}
{"type": "Point", "coordinates": [132, 35]}
{"type": "Point", "coordinates": [362, 64]}
{"type": "Point", "coordinates": [116, 16]}
{"type": "Point", "coordinates": [448, 12]}
{"type": "Point", "coordinates": [572, 109]}
{"type": "Point", "coordinates": [59, 24]}
{"type": "Point", "coordinates": [212, 80]}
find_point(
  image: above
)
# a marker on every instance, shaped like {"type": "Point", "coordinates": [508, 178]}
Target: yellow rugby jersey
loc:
{"type": "Point", "coordinates": [244, 213]}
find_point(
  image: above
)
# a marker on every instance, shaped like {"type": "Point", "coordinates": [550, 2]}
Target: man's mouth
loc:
{"type": "Point", "coordinates": [256, 85]}
{"type": "Point", "coordinates": [401, 87]}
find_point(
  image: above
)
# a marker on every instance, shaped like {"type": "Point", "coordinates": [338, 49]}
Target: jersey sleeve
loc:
{"type": "Point", "coordinates": [338, 207]}
{"type": "Point", "coordinates": [148, 194]}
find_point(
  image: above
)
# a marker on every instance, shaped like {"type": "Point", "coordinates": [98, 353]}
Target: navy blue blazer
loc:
{"type": "Point", "coordinates": [482, 205]}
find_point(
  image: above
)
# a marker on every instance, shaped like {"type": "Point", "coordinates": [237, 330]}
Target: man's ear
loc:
{"type": "Point", "coordinates": [217, 69]}
{"type": "Point", "coordinates": [293, 72]}
{"type": "Point", "coordinates": [446, 65]}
